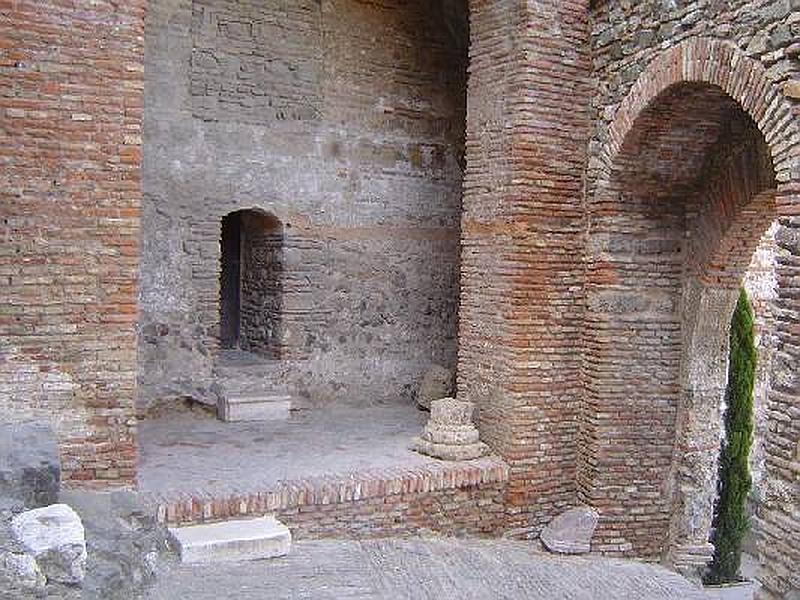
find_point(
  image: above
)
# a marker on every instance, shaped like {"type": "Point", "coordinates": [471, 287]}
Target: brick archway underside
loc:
{"type": "Point", "coordinates": [700, 158]}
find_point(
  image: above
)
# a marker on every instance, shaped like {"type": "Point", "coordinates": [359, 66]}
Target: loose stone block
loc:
{"type": "Point", "coordinates": [55, 537]}
{"type": "Point", "coordinates": [571, 532]}
{"type": "Point", "coordinates": [254, 408]}
{"type": "Point", "coordinates": [250, 539]}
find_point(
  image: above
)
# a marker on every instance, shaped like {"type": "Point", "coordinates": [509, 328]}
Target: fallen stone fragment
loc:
{"type": "Point", "coordinates": [450, 433]}
{"type": "Point", "coordinates": [54, 535]}
{"type": "Point", "coordinates": [571, 532]}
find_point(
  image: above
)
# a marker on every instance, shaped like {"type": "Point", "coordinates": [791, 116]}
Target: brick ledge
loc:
{"type": "Point", "coordinates": [200, 506]}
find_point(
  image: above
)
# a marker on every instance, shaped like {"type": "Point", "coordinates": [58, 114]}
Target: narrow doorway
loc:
{"type": "Point", "coordinates": [231, 280]}
{"type": "Point", "coordinates": [251, 283]}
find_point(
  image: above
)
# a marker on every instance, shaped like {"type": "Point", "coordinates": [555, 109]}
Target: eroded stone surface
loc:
{"type": "Point", "coordinates": [571, 532]}
{"type": "Point", "coordinates": [30, 470]}
{"type": "Point", "coordinates": [54, 535]}
{"type": "Point", "coordinates": [424, 569]}
{"type": "Point", "coordinates": [20, 573]}
{"type": "Point", "coordinates": [436, 384]}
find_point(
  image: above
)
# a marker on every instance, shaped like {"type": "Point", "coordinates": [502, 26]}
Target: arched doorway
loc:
{"type": "Point", "coordinates": [700, 159]}
{"type": "Point", "coordinates": [251, 282]}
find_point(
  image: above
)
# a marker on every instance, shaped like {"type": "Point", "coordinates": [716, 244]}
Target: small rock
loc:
{"type": "Point", "coordinates": [436, 384]}
{"type": "Point", "coordinates": [54, 535]}
{"type": "Point", "coordinates": [20, 572]}
{"type": "Point", "coordinates": [30, 470]}
{"type": "Point", "coordinates": [571, 532]}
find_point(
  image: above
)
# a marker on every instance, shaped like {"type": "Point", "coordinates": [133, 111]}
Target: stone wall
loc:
{"type": "Point", "coordinates": [761, 283]}
{"type": "Point", "coordinates": [69, 227]}
{"type": "Point", "coordinates": [344, 120]}
{"type": "Point", "coordinates": [262, 286]}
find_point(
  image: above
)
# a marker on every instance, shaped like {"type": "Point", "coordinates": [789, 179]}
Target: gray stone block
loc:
{"type": "Point", "coordinates": [30, 470]}
{"type": "Point", "coordinates": [254, 408]}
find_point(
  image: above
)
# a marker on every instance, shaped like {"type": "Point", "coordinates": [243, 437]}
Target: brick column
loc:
{"type": "Point", "coordinates": [71, 75]}
{"type": "Point", "coordinates": [521, 298]}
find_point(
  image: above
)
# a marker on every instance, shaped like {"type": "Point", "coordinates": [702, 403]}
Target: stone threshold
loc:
{"type": "Point", "coordinates": [201, 506]}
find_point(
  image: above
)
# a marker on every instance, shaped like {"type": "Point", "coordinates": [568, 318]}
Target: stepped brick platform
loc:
{"type": "Point", "coordinates": [330, 473]}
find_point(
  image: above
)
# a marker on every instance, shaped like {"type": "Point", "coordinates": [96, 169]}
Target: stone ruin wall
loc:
{"type": "Point", "coordinates": [344, 120]}
{"type": "Point", "coordinates": [261, 289]}
{"type": "Point", "coordinates": [69, 227]}
{"type": "Point", "coordinates": [761, 283]}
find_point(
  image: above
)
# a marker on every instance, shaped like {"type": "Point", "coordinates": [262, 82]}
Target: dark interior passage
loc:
{"type": "Point", "coordinates": [251, 274]}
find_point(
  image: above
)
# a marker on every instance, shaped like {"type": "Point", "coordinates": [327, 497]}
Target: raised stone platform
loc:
{"type": "Point", "coordinates": [343, 472]}
{"type": "Point", "coordinates": [245, 539]}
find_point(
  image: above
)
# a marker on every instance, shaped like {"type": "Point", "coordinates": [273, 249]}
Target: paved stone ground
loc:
{"type": "Point", "coordinates": [436, 569]}
{"type": "Point", "coordinates": [222, 457]}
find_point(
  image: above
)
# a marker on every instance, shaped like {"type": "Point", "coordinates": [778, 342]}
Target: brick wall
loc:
{"type": "Point", "coordinates": [447, 498]}
{"type": "Point", "coordinates": [69, 221]}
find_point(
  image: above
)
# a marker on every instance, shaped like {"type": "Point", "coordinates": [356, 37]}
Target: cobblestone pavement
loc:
{"type": "Point", "coordinates": [437, 569]}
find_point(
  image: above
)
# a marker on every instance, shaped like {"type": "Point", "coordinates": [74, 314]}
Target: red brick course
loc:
{"type": "Point", "coordinates": [521, 299]}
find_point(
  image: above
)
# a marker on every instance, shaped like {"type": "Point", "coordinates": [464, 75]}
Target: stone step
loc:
{"type": "Point", "coordinates": [243, 385]}
{"type": "Point", "coordinates": [257, 407]}
{"type": "Point", "coordinates": [247, 539]}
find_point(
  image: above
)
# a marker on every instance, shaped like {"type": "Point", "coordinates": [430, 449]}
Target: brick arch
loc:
{"type": "Point", "coordinates": [701, 64]}
{"type": "Point", "coordinates": [721, 64]}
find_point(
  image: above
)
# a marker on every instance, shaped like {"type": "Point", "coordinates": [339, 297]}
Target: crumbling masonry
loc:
{"type": "Point", "coordinates": [558, 199]}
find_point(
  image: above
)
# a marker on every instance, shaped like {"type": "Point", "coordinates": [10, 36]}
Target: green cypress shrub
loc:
{"type": "Point", "coordinates": [730, 517]}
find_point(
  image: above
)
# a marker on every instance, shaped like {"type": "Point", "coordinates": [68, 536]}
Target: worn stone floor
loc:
{"type": "Point", "coordinates": [188, 451]}
{"type": "Point", "coordinates": [435, 569]}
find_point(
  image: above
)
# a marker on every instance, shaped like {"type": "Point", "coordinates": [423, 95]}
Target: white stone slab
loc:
{"type": "Point", "coordinates": [247, 539]}
{"type": "Point", "coordinates": [254, 408]}
{"type": "Point", "coordinates": [54, 535]}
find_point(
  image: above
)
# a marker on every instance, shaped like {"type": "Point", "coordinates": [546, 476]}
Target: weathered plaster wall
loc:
{"type": "Point", "coordinates": [345, 120]}
{"type": "Point", "coordinates": [69, 227]}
